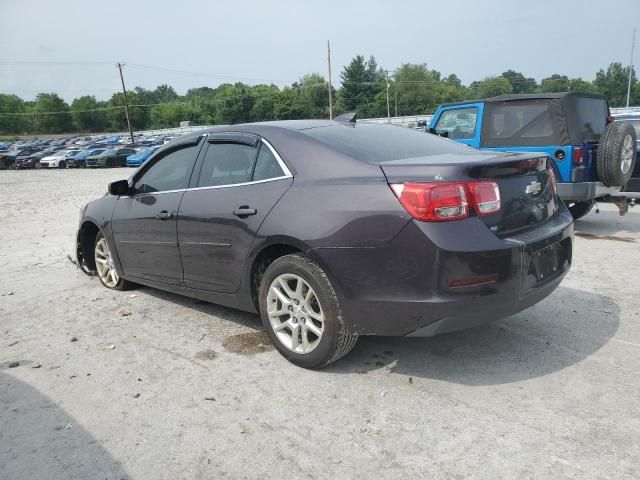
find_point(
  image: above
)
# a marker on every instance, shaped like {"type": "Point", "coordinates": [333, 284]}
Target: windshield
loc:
{"type": "Point", "coordinates": [384, 143]}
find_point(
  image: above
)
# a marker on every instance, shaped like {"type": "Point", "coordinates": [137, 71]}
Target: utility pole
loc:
{"type": "Point", "coordinates": [395, 94]}
{"type": "Point", "coordinates": [633, 44]}
{"type": "Point", "coordinates": [330, 94]}
{"type": "Point", "coordinates": [126, 102]}
{"type": "Point", "coordinates": [388, 108]}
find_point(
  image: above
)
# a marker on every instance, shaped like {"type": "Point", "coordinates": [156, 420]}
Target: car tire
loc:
{"type": "Point", "coordinates": [616, 154]}
{"type": "Point", "coordinates": [62, 164]}
{"type": "Point", "coordinates": [106, 271]}
{"type": "Point", "coordinates": [580, 209]}
{"type": "Point", "coordinates": [310, 315]}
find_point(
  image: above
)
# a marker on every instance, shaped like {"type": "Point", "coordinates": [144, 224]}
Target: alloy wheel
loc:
{"type": "Point", "coordinates": [104, 264]}
{"type": "Point", "coordinates": [626, 156]}
{"type": "Point", "coordinates": [295, 313]}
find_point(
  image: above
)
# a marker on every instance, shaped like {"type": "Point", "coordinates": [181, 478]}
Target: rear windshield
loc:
{"type": "Point", "coordinates": [384, 143]}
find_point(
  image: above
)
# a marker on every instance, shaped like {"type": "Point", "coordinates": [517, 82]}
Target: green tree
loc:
{"type": "Point", "coordinates": [87, 116]}
{"type": "Point", "coordinates": [11, 119]}
{"type": "Point", "coordinates": [492, 86]}
{"type": "Point", "coordinates": [580, 85]}
{"type": "Point", "coordinates": [234, 103]}
{"type": "Point", "coordinates": [314, 92]}
{"type": "Point", "coordinates": [520, 83]}
{"type": "Point", "coordinates": [613, 83]}
{"type": "Point", "coordinates": [554, 84]}
{"type": "Point", "coordinates": [291, 105]}
{"type": "Point", "coordinates": [264, 107]}
{"type": "Point", "coordinates": [418, 89]}
{"type": "Point", "coordinates": [50, 114]}
{"type": "Point", "coordinates": [361, 81]}
{"type": "Point", "coordinates": [170, 114]}
{"type": "Point", "coordinates": [116, 115]}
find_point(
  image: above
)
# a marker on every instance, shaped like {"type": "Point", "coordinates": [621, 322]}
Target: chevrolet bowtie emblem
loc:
{"type": "Point", "coordinates": [533, 188]}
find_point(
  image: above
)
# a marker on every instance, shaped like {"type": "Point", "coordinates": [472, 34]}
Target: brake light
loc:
{"type": "Point", "coordinates": [578, 156]}
{"type": "Point", "coordinates": [432, 202]}
{"type": "Point", "coordinates": [552, 179]}
{"type": "Point", "coordinates": [446, 201]}
{"type": "Point", "coordinates": [486, 197]}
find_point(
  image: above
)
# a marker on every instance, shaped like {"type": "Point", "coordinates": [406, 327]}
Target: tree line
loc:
{"type": "Point", "coordinates": [365, 87]}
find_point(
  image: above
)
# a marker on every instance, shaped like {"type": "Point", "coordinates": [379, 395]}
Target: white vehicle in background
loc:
{"type": "Point", "coordinates": [58, 159]}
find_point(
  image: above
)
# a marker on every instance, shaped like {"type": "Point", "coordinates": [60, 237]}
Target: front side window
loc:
{"type": "Point", "coordinates": [170, 172]}
{"type": "Point", "coordinates": [458, 123]}
{"type": "Point", "coordinates": [227, 164]}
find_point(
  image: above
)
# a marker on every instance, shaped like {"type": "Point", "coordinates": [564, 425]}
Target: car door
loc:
{"type": "Point", "coordinates": [144, 223]}
{"type": "Point", "coordinates": [461, 124]}
{"type": "Point", "coordinates": [239, 180]}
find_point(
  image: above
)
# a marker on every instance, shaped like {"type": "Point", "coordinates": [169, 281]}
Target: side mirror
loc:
{"type": "Point", "coordinates": [121, 187]}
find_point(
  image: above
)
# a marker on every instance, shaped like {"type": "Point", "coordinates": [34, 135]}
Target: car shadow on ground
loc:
{"type": "Point", "coordinates": [40, 440]}
{"type": "Point", "coordinates": [609, 223]}
{"type": "Point", "coordinates": [559, 332]}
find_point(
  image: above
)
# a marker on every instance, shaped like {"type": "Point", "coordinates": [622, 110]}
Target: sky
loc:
{"type": "Point", "coordinates": [71, 46]}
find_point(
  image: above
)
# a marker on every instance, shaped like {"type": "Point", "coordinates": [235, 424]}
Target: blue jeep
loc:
{"type": "Point", "coordinates": [594, 157]}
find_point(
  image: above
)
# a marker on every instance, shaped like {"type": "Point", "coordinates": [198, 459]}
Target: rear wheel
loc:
{"type": "Point", "coordinates": [580, 209]}
{"type": "Point", "coordinates": [301, 313]}
{"type": "Point", "coordinates": [617, 154]}
{"type": "Point", "coordinates": [105, 266]}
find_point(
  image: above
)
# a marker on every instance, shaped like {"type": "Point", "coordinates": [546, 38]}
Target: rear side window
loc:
{"type": "Point", "coordinates": [170, 172]}
{"type": "Point", "coordinates": [227, 164]}
{"type": "Point", "coordinates": [384, 143]}
{"type": "Point", "coordinates": [266, 165]}
{"type": "Point", "coordinates": [592, 116]}
{"type": "Point", "coordinates": [458, 123]}
{"type": "Point", "coordinates": [524, 123]}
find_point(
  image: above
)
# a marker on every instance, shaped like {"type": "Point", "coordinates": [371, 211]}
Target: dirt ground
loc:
{"type": "Point", "coordinates": [149, 385]}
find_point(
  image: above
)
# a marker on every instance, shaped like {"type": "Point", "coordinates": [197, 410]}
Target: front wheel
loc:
{"type": "Point", "coordinates": [105, 267]}
{"type": "Point", "coordinates": [301, 313]}
{"type": "Point", "coordinates": [62, 164]}
{"type": "Point", "coordinates": [580, 209]}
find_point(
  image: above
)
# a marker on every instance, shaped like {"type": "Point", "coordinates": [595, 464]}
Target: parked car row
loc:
{"type": "Point", "coordinates": [77, 152]}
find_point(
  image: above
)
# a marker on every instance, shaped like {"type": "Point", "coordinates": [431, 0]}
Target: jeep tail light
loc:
{"type": "Point", "coordinates": [446, 201]}
{"type": "Point", "coordinates": [578, 156]}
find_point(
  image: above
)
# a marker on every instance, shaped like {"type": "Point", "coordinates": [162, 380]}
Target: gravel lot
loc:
{"type": "Point", "coordinates": [145, 384]}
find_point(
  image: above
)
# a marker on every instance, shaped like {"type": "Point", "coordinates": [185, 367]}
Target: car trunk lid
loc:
{"type": "Point", "coordinates": [527, 191]}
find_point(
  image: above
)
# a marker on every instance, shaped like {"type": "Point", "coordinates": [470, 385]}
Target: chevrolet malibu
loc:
{"type": "Point", "coordinates": [331, 230]}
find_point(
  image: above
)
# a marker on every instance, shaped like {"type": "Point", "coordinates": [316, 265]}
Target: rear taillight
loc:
{"type": "Point", "coordinates": [446, 201]}
{"type": "Point", "coordinates": [486, 197]}
{"type": "Point", "coordinates": [578, 156]}
{"type": "Point", "coordinates": [552, 179]}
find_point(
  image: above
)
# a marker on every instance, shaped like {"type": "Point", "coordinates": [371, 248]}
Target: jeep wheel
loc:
{"type": "Point", "coordinates": [580, 209]}
{"type": "Point", "coordinates": [617, 154]}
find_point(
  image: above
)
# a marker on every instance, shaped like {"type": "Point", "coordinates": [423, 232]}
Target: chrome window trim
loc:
{"type": "Point", "coordinates": [285, 169]}
{"type": "Point", "coordinates": [211, 187]}
{"type": "Point", "coordinates": [283, 166]}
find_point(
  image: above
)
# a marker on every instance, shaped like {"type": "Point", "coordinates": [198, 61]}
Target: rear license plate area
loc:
{"type": "Point", "coordinates": [548, 263]}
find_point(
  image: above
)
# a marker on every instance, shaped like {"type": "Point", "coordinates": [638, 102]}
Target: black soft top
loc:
{"type": "Point", "coordinates": [542, 96]}
{"type": "Point", "coordinates": [542, 119]}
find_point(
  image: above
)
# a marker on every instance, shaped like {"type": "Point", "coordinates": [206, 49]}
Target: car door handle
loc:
{"type": "Point", "coordinates": [244, 211]}
{"type": "Point", "coordinates": [164, 215]}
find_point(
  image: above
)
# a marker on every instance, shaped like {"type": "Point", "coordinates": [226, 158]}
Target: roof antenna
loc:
{"type": "Point", "coordinates": [349, 117]}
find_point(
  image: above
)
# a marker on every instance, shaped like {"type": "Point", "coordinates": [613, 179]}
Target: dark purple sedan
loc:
{"type": "Point", "coordinates": [331, 230]}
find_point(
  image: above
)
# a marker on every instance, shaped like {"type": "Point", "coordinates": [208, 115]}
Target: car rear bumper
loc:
{"type": "Point", "coordinates": [584, 191]}
{"type": "Point", "coordinates": [408, 286]}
